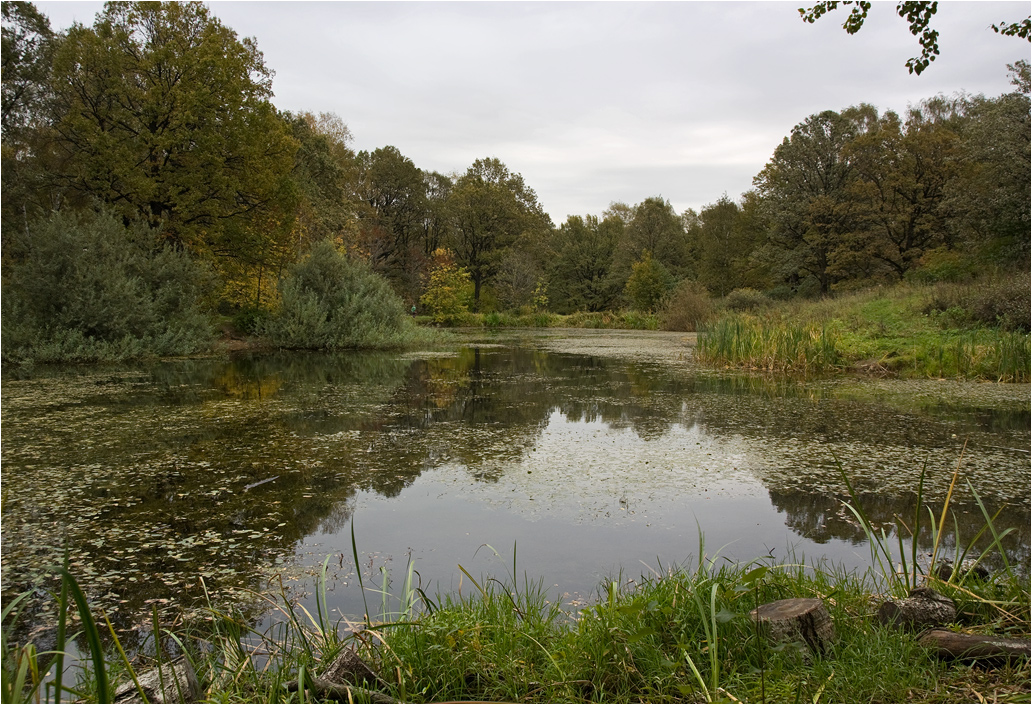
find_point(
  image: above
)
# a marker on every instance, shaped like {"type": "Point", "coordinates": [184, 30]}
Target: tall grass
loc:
{"type": "Point", "coordinates": [675, 634]}
{"type": "Point", "coordinates": [739, 340]}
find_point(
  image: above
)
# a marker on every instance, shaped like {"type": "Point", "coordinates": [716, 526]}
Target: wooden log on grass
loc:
{"type": "Point", "coordinates": [974, 646]}
{"type": "Point", "coordinates": [923, 607]}
{"type": "Point", "coordinates": [175, 682]}
{"type": "Point", "coordinates": [798, 619]}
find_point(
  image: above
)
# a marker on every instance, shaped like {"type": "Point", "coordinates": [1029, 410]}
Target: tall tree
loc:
{"type": "Point", "coordinates": [163, 113]}
{"type": "Point", "coordinates": [806, 191]}
{"type": "Point", "coordinates": [992, 194]}
{"type": "Point", "coordinates": [393, 190]}
{"type": "Point", "coordinates": [27, 47]}
{"type": "Point", "coordinates": [325, 176]}
{"type": "Point", "coordinates": [27, 51]}
{"type": "Point", "coordinates": [716, 240]}
{"type": "Point", "coordinates": [492, 207]}
{"type": "Point", "coordinates": [579, 273]}
{"type": "Point", "coordinates": [903, 170]}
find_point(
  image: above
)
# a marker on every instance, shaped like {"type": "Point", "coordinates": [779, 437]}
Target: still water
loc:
{"type": "Point", "coordinates": [572, 457]}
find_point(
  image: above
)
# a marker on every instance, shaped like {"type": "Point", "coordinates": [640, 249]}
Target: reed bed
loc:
{"type": "Point", "coordinates": [740, 340]}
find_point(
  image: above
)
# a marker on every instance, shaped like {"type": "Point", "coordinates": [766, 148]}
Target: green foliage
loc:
{"type": "Point", "coordinates": [492, 208]}
{"type": "Point", "coordinates": [82, 288]}
{"type": "Point", "coordinates": [448, 293]}
{"type": "Point", "coordinates": [918, 16]}
{"type": "Point", "coordinates": [332, 302]}
{"type": "Point", "coordinates": [580, 271]}
{"type": "Point", "coordinates": [164, 114]}
{"type": "Point", "coordinates": [687, 308]}
{"type": "Point", "coordinates": [648, 283]}
{"type": "Point", "coordinates": [995, 301]}
{"type": "Point", "coordinates": [737, 340]}
{"type": "Point", "coordinates": [27, 49]}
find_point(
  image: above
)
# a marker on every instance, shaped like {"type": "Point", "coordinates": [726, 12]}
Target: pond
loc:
{"type": "Point", "coordinates": [570, 456]}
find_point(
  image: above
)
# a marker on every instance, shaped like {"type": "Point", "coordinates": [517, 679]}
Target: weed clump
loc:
{"type": "Point", "coordinates": [687, 308]}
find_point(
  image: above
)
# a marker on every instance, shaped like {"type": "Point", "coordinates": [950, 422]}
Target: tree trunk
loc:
{"type": "Point", "coordinates": [177, 677]}
{"type": "Point", "coordinates": [798, 619]}
{"type": "Point", "coordinates": [951, 644]}
{"type": "Point", "coordinates": [922, 608]}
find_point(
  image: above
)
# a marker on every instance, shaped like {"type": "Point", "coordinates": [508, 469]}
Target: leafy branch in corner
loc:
{"type": "Point", "coordinates": [918, 16]}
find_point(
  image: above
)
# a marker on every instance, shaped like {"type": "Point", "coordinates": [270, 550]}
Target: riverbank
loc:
{"type": "Point", "coordinates": [677, 635]}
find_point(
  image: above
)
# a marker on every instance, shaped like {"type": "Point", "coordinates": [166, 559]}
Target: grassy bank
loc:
{"type": "Point", "coordinates": [976, 331]}
{"type": "Point", "coordinates": [672, 635]}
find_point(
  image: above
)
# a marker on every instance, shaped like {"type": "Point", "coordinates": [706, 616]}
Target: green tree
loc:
{"type": "Point", "coordinates": [581, 264]}
{"type": "Point", "coordinates": [903, 170]}
{"type": "Point", "coordinates": [27, 51]}
{"type": "Point", "coordinates": [806, 192]}
{"type": "Point", "coordinates": [991, 196]}
{"type": "Point", "coordinates": [655, 228]}
{"type": "Point", "coordinates": [648, 284]}
{"type": "Point", "coordinates": [447, 295]}
{"type": "Point", "coordinates": [393, 191]}
{"type": "Point", "coordinates": [163, 113]}
{"type": "Point", "coordinates": [491, 208]}
{"type": "Point", "coordinates": [324, 175]}
{"type": "Point", "coordinates": [918, 16]}
{"type": "Point", "coordinates": [719, 248]}
{"type": "Point", "coordinates": [436, 223]}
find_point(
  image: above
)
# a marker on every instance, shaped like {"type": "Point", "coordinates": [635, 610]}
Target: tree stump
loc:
{"type": "Point", "coordinates": [973, 646]}
{"type": "Point", "coordinates": [922, 608]}
{"type": "Point", "coordinates": [349, 667]}
{"type": "Point", "coordinates": [798, 619]}
{"type": "Point", "coordinates": [179, 679]}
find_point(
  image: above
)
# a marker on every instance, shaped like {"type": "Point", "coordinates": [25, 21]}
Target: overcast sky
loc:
{"type": "Point", "coordinates": [596, 102]}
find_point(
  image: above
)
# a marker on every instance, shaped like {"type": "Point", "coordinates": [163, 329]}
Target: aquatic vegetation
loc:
{"type": "Point", "coordinates": [740, 340]}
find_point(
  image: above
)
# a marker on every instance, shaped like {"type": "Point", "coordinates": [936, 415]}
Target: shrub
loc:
{"type": "Point", "coordinates": [331, 302]}
{"type": "Point", "coordinates": [942, 265]}
{"type": "Point", "coordinates": [746, 300]}
{"type": "Point", "coordinates": [80, 287]}
{"type": "Point", "coordinates": [648, 283]}
{"type": "Point", "coordinates": [996, 302]}
{"type": "Point", "coordinates": [689, 307]}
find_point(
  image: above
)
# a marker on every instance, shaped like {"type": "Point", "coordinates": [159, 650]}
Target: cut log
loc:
{"type": "Point", "coordinates": [179, 680]}
{"type": "Point", "coordinates": [349, 667]}
{"type": "Point", "coordinates": [944, 569]}
{"type": "Point", "coordinates": [923, 608]}
{"type": "Point", "coordinates": [798, 619]}
{"type": "Point", "coordinates": [346, 693]}
{"type": "Point", "coordinates": [975, 646]}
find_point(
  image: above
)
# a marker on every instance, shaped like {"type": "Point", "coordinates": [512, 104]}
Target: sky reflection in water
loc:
{"type": "Point", "coordinates": [585, 464]}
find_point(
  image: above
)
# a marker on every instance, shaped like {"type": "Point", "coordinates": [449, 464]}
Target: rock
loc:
{"type": "Point", "coordinates": [798, 619]}
{"type": "Point", "coordinates": [922, 608]}
{"type": "Point", "coordinates": [179, 679]}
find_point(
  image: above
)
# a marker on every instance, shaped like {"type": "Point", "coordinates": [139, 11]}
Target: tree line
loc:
{"type": "Point", "coordinates": [160, 116]}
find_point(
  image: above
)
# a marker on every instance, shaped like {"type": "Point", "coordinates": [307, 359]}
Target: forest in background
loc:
{"type": "Point", "coordinates": [149, 182]}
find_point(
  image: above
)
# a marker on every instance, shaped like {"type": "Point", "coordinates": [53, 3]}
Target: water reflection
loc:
{"type": "Point", "coordinates": [158, 476]}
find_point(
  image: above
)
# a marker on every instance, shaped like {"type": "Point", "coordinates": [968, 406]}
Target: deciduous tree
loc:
{"type": "Point", "coordinates": [491, 207]}
{"type": "Point", "coordinates": [163, 113]}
